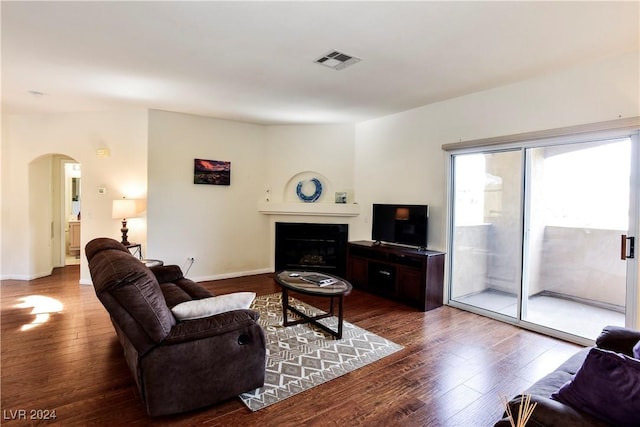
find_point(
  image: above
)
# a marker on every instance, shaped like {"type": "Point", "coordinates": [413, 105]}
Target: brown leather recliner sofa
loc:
{"type": "Point", "coordinates": [177, 365]}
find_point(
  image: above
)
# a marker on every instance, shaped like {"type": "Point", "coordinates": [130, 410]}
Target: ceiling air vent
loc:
{"type": "Point", "coordinates": [337, 60]}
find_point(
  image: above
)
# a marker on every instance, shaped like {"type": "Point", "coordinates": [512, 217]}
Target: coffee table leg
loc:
{"type": "Point", "coordinates": [314, 320]}
{"type": "Point", "coordinates": [285, 303]}
{"type": "Point", "coordinates": [339, 316]}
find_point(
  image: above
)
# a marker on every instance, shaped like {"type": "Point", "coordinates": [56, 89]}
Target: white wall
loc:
{"type": "Point", "coordinates": [39, 194]}
{"type": "Point", "coordinates": [4, 186]}
{"type": "Point", "coordinates": [182, 219]}
{"type": "Point", "coordinates": [217, 225]}
{"type": "Point", "coordinates": [29, 137]}
{"type": "Point", "coordinates": [293, 150]}
{"type": "Point", "coordinates": [398, 160]}
{"type": "Point", "coordinates": [399, 157]}
{"type": "Point", "coordinates": [221, 226]}
{"type": "Point", "coordinates": [297, 153]}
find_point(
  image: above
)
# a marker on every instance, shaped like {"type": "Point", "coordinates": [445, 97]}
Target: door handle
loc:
{"type": "Point", "coordinates": [623, 247]}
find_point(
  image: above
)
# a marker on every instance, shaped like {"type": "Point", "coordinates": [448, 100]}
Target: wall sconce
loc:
{"type": "Point", "coordinates": [123, 209]}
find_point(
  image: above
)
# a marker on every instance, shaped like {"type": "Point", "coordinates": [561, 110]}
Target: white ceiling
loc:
{"type": "Point", "coordinates": [254, 61]}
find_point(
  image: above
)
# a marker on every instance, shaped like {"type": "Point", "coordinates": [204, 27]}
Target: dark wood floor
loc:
{"type": "Point", "coordinates": [452, 372]}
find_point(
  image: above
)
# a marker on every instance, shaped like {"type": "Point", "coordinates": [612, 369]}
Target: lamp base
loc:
{"type": "Point", "coordinates": [124, 230]}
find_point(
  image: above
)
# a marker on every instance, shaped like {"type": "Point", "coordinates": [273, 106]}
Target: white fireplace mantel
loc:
{"type": "Point", "coordinates": [313, 209]}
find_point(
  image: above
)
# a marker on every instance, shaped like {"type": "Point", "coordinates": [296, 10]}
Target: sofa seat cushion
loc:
{"type": "Point", "coordinates": [549, 384]}
{"type": "Point", "coordinates": [211, 326]}
{"type": "Point", "coordinates": [573, 363]}
{"type": "Point", "coordinates": [206, 307]}
{"type": "Point", "coordinates": [606, 386]}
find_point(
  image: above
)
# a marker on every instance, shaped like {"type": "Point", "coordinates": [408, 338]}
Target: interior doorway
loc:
{"type": "Point", "coordinates": [71, 205]}
{"type": "Point", "coordinates": [52, 190]}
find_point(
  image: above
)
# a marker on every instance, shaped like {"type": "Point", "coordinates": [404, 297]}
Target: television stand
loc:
{"type": "Point", "coordinates": [414, 276]}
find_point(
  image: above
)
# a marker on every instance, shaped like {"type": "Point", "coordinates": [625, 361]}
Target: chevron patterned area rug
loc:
{"type": "Point", "coordinates": [300, 357]}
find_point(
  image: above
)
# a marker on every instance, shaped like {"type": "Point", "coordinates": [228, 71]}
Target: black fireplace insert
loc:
{"type": "Point", "coordinates": [312, 247]}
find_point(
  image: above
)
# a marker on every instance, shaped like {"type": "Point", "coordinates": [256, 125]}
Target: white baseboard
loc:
{"type": "Point", "coordinates": [14, 277]}
{"type": "Point", "coordinates": [230, 275]}
{"type": "Point", "coordinates": [195, 279]}
{"type": "Point", "coordinates": [25, 277]}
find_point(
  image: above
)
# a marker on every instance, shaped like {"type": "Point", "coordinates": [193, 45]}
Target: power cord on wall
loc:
{"type": "Point", "coordinates": [190, 261]}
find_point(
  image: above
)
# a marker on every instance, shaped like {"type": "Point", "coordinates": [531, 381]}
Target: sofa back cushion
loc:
{"type": "Point", "coordinates": [181, 290]}
{"type": "Point", "coordinates": [100, 244]}
{"type": "Point", "coordinates": [618, 339]}
{"type": "Point", "coordinates": [130, 293]}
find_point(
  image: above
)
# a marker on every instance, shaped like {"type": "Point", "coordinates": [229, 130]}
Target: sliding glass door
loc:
{"type": "Point", "coordinates": [536, 233]}
{"type": "Point", "coordinates": [578, 207]}
{"type": "Point", "coordinates": [487, 223]}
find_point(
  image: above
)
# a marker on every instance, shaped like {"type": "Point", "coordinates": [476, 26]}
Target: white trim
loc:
{"type": "Point", "coordinates": [230, 275]}
{"type": "Point", "coordinates": [632, 319]}
{"type": "Point", "coordinates": [26, 277]}
{"type": "Point", "coordinates": [211, 278]}
{"type": "Point", "coordinates": [581, 133]}
{"type": "Point", "coordinates": [309, 209]}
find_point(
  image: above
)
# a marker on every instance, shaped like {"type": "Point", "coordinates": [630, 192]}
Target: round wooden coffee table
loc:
{"type": "Point", "coordinates": [293, 280]}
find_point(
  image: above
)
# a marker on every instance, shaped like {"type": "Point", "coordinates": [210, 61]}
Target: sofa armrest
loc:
{"type": "Point", "coordinates": [218, 324]}
{"type": "Point", "coordinates": [551, 413]}
{"type": "Point", "coordinates": [618, 339]}
{"type": "Point", "coordinates": [167, 273]}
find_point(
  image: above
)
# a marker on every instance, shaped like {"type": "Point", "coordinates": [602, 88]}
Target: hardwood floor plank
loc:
{"type": "Point", "coordinates": [453, 369]}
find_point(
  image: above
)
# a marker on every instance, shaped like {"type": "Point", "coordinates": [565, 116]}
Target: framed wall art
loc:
{"type": "Point", "coordinates": [212, 172]}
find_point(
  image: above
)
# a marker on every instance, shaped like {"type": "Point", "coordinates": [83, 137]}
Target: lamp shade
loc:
{"type": "Point", "coordinates": [123, 208]}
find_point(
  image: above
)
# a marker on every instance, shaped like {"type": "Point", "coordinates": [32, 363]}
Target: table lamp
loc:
{"type": "Point", "coordinates": [123, 209]}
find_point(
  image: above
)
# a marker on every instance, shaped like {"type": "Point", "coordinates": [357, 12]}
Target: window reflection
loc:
{"type": "Point", "coordinates": [43, 307]}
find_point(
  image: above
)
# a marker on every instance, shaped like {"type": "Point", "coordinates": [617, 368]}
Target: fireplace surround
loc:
{"type": "Point", "coordinates": [311, 247]}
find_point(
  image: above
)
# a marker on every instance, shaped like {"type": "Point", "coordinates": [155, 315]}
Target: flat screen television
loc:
{"type": "Point", "coordinates": [401, 224]}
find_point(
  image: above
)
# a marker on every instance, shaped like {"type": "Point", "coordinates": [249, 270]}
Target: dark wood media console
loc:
{"type": "Point", "coordinates": [412, 276]}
